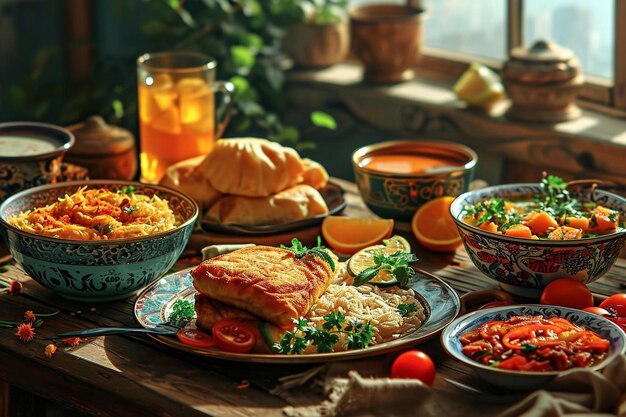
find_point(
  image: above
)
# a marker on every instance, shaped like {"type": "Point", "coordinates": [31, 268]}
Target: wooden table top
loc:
{"type": "Point", "coordinates": [133, 375]}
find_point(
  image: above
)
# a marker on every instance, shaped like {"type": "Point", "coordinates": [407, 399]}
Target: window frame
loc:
{"type": "Point", "coordinates": [448, 66]}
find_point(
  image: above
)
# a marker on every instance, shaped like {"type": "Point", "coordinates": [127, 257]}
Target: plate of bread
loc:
{"type": "Point", "coordinates": [297, 306]}
{"type": "Point", "coordinates": [256, 186]}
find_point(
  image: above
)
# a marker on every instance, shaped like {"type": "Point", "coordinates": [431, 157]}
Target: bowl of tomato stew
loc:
{"type": "Point", "coordinates": [395, 178]}
{"type": "Point", "coordinates": [525, 347]}
{"type": "Point", "coordinates": [526, 235]}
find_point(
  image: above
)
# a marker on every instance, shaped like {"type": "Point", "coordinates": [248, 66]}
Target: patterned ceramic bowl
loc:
{"type": "Point", "coordinates": [30, 155]}
{"type": "Point", "coordinates": [526, 380]}
{"type": "Point", "coordinates": [525, 266]}
{"type": "Point", "coordinates": [102, 270]}
{"type": "Point", "coordinates": [396, 178]}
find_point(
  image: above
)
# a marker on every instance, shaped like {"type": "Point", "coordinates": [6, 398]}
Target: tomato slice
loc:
{"type": "Point", "coordinates": [513, 363]}
{"type": "Point", "coordinates": [195, 338]}
{"type": "Point", "coordinates": [233, 336]}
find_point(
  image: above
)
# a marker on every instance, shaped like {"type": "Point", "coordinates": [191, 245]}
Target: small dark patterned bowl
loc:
{"type": "Point", "coordinates": [392, 191]}
{"type": "Point", "coordinates": [96, 270]}
{"type": "Point", "coordinates": [526, 266]}
{"type": "Point", "coordinates": [30, 155]}
{"type": "Point", "coordinates": [527, 380]}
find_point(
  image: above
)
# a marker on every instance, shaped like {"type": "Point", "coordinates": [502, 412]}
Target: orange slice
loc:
{"type": "Point", "coordinates": [433, 226]}
{"type": "Point", "coordinates": [351, 234]}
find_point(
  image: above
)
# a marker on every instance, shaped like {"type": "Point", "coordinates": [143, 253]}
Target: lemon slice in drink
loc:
{"type": "Point", "coordinates": [479, 86]}
{"type": "Point", "coordinates": [364, 258]}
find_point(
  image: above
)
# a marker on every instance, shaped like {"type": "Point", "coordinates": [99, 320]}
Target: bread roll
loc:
{"type": "Point", "coordinates": [252, 167]}
{"type": "Point", "coordinates": [186, 176]}
{"type": "Point", "coordinates": [314, 174]}
{"type": "Point", "coordinates": [295, 203]}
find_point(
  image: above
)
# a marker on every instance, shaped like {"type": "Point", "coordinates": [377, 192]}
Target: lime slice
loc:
{"type": "Point", "coordinates": [364, 258]}
{"type": "Point", "coordinates": [479, 86]}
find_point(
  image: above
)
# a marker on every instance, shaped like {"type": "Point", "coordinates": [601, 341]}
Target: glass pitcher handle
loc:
{"type": "Point", "coordinates": [224, 110]}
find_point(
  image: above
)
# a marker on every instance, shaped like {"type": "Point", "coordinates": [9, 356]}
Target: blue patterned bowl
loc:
{"type": "Point", "coordinates": [524, 266]}
{"type": "Point", "coordinates": [398, 195]}
{"type": "Point", "coordinates": [30, 155]}
{"type": "Point", "coordinates": [525, 380]}
{"type": "Point", "coordinates": [102, 270]}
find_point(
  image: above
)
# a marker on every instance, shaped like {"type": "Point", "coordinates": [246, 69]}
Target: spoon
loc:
{"type": "Point", "coordinates": [165, 329]}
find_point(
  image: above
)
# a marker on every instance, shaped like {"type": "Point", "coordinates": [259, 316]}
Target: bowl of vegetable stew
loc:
{"type": "Point", "coordinates": [526, 235]}
{"type": "Point", "coordinates": [513, 348]}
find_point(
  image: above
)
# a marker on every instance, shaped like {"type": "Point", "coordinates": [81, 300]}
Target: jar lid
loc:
{"type": "Point", "coordinates": [96, 137]}
{"type": "Point", "coordinates": [543, 63]}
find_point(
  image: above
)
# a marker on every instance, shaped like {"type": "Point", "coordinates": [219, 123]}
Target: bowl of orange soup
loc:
{"type": "Point", "coordinates": [395, 178]}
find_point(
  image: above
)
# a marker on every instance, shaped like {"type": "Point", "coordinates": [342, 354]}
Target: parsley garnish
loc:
{"type": "Point", "coordinates": [182, 312]}
{"type": "Point", "coordinates": [128, 190]}
{"type": "Point", "coordinates": [529, 348]}
{"type": "Point", "coordinates": [396, 263]}
{"type": "Point", "coordinates": [130, 209]}
{"type": "Point", "coordinates": [318, 251]}
{"type": "Point", "coordinates": [106, 229]}
{"type": "Point", "coordinates": [406, 309]}
{"type": "Point", "coordinates": [493, 210]}
{"type": "Point", "coordinates": [358, 335]}
{"type": "Point", "coordinates": [557, 200]}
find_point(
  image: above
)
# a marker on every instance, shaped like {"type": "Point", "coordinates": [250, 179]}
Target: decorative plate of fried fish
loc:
{"type": "Point", "coordinates": [299, 305]}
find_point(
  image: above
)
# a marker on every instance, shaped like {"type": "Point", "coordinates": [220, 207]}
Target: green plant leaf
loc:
{"type": "Point", "coordinates": [322, 119]}
{"type": "Point", "coordinates": [243, 56]}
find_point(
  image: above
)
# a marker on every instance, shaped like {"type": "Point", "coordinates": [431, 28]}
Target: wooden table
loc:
{"type": "Point", "coordinates": [134, 376]}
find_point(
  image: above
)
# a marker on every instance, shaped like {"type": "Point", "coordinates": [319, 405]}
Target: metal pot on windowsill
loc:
{"type": "Point", "coordinates": [543, 82]}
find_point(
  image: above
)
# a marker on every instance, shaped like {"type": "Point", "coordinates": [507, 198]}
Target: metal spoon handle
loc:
{"type": "Point", "coordinates": [103, 331]}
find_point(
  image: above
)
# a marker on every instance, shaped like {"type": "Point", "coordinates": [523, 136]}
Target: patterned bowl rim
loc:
{"type": "Point", "coordinates": [451, 147]}
{"type": "Point", "coordinates": [465, 320]}
{"type": "Point", "coordinates": [64, 137]}
{"type": "Point", "coordinates": [456, 206]}
{"type": "Point", "coordinates": [32, 191]}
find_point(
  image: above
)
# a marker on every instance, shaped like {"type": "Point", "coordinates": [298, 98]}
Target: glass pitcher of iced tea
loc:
{"type": "Point", "coordinates": [178, 118]}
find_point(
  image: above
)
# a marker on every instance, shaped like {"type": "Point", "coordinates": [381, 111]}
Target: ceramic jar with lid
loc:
{"type": "Point", "coordinates": [107, 151]}
{"type": "Point", "coordinates": [542, 82]}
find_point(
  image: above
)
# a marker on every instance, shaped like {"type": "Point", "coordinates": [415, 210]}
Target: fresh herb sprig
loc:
{"type": "Point", "coordinates": [182, 312]}
{"type": "Point", "coordinates": [130, 209]}
{"type": "Point", "coordinates": [318, 251]}
{"type": "Point", "coordinates": [556, 200]}
{"type": "Point", "coordinates": [493, 210]}
{"type": "Point", "coordinates": [397, 264]}
{"type": "Point", "coordinates": [406, 309]}
{"type": "Point", "coordinates": [358, 335]}
{"type": "Point", "coordinates": [128, 190]}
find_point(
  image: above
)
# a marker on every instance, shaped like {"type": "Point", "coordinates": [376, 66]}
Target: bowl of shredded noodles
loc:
{"type": "Point", "coordinates": [97, 241]}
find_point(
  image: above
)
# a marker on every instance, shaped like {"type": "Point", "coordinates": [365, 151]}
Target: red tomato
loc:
{"type": "Point", "coordinates": [497, 304]}
{"type": "Point", "coordinates": [233, 336]}
{"type": "Point", "coordinates": [597, 310]}
{"type": "Point", "coordinates": [195, 337]}
{"type": "Point", "coordinates": [414, 364]}
{"type": "Point", "coordinates": [567, 292]}
{"type": "Point", "coordinates": [616, 304]}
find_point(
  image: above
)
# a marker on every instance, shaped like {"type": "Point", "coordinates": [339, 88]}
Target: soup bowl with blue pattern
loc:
{"type": "Point", "coordinates": [525, 266]}
{"type": "Point", "coordinates": [96, 270]}
{"type": "Point", "coordinates": [528, 380]}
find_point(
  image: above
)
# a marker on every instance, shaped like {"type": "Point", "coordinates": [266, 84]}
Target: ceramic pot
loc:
{"type": "Point", "coordinates": [317, 46]}
{"type": "Point", "coordinates": [30, 155]}
{"type": "Point", "coordinates": [386, 38]}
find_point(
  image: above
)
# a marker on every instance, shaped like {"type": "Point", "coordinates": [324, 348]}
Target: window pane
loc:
{"type": "Point", "coordinates": [475, 27]}
{"type": "Point", "coordinates": [584, 26]}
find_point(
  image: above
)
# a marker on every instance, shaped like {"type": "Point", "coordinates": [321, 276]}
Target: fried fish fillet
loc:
{"type": "Point", "coordinates": [269, 282]}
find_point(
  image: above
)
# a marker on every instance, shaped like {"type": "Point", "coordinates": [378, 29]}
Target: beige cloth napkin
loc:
{"type": "Point", "coordinates": [339, 390]}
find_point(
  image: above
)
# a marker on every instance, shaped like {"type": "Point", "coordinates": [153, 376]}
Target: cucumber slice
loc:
{"type": "Point", "coordinates": [271, 334]}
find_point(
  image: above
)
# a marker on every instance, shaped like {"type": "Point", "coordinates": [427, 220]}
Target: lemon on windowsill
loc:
{"type": "Point", "coordinates": [479, 86]}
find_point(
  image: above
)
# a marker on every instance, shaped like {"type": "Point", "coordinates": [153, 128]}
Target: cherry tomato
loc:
{"type": "Point", "coordinates": [499, 303]}
{"type": "Point", "coordinates": [414, 364]}
{"type": "Point", "coordinates": [597, 310]}
{"type": "Point", "coordinates": [616, 304]}
{"type": "Point", "coordinates": [567, 292]}
{"type": "Point", "coordinates": [233, 336]}
{"type": "Point", "coordinates": [195, 337]}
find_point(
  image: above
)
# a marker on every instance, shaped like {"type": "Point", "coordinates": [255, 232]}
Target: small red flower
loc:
{"type": "Point", "coordinates": [73, 341]}
{"type": "Point", "coordinates": [25, 332]}
{"type": "Point", "coordinates": [29, 316]}
{"type": "Point", "coordinates": [15, 287]}
{"type": "Point", "coordinates": [50, 350]}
